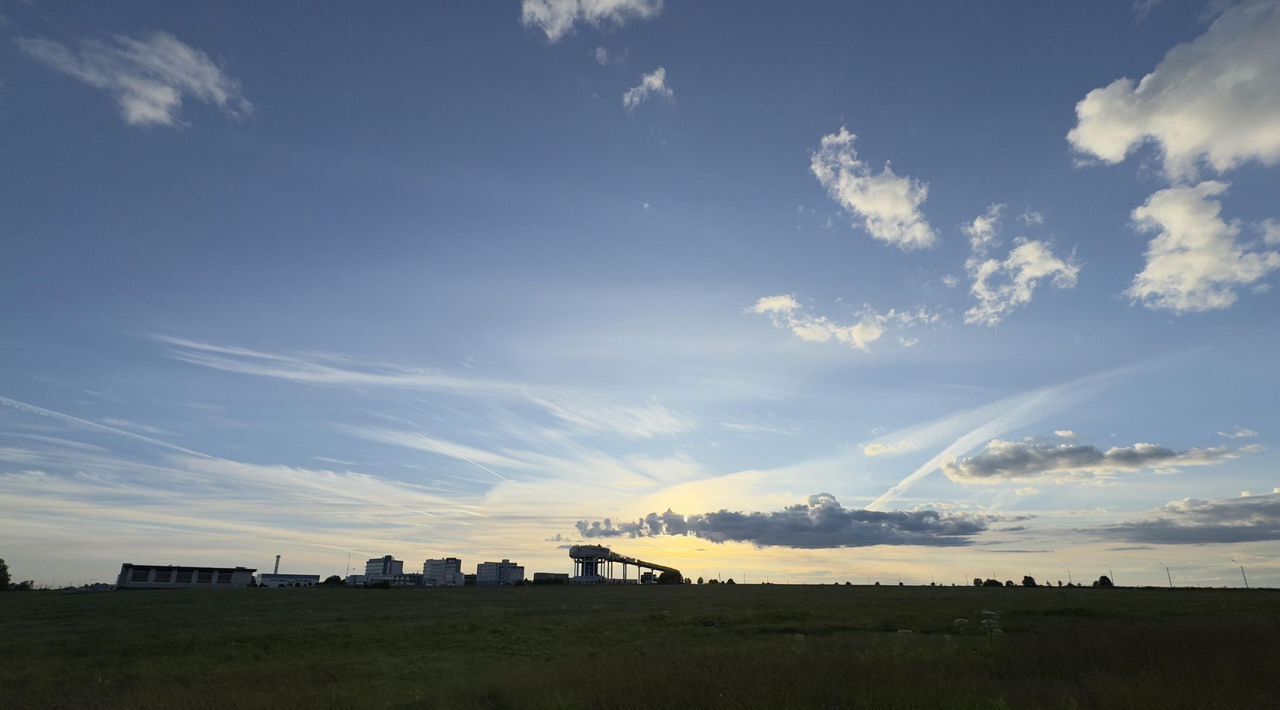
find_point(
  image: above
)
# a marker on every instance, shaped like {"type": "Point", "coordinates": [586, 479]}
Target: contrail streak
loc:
{"type": "Point", "coordinates": [87, 424]}
{"type": "Point", "coordinates": [1016, 411]}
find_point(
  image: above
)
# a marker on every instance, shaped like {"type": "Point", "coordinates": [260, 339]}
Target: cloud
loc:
{"type": "Point", "coordinates": [786, 312]}
{"type": "Point", "coordinates": [557, 17]}
{"type": "Point", "coordinates": [1238, 434]}
{"type": "Point", "coordinates": [1214, 99]}
{"type": "Point", "coordinates": [604, 57]}
{"type": "Point", "coordinates": [652, 86]}
{"type": "Point", "coordinates": [1198, 522]}
{"type": "Point", "coordinates": [585, 413]}
{"type": "Point", "coordinates": [889, 448]}
{"type": "Point", "coordinates": [1064, 434]}
{"type": "Point", "coordinates": [1004, 461]}
{"type": "Point", "coordinates": [149, 78]}
{"type": "Point", "coordinates": [983, 229]}
{"type": "Point", "coordinates": [819, 523]}
{"type": "Point", "coordinates": [1031, 217]}
{"type": "Point", "coordinates": [1194, 263]}
{"type": "Point", "coordinates": [888, 205]}
{"type": "Point", "coordinates": [1002, 286]}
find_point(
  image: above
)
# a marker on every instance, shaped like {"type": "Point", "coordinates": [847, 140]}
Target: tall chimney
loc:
{"type": "Point", "coordinates": [277, 569]}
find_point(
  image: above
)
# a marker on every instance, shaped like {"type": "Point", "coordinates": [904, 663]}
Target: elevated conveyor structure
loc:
{"type": "Point", "coordinates": [594, 564]}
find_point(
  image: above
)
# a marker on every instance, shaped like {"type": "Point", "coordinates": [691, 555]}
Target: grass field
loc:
{"type": "Point", "coordinates": [631, 647]}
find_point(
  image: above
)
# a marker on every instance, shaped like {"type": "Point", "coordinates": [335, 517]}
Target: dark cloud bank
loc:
{"type": "Point", "coordinates": [1199, 522]}
{"type": "Point", "coordinates": [820, 523]}
{"type": "Point", "coordinates": [1011, 460]}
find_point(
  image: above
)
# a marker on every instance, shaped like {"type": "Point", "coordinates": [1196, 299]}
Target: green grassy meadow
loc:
{"type": "Point", "coordinates": [652, 647]}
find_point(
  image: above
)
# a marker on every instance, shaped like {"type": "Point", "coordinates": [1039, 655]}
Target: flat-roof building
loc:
{"type": "Point", "coordinates": [499, 574]}
{"type": "Point", "coordinates": [385, 566]}
{"type": "Point", "coordinates": [443, 573]}
{"type": "Point", "coordinates": [278, 580]}
{"type": "Point", "coordinates": [178, 577]}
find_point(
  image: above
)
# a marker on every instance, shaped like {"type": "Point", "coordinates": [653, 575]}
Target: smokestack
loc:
{"type": "Point", "coordinates": [277, 569]}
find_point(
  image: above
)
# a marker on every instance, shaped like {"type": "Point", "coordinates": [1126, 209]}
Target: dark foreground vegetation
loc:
{"type": "Point", "coordinates": [657, 647]}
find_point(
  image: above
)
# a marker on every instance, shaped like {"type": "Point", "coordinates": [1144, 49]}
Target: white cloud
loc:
{"type": "Point", "coordinates": [1030, 217]}
{"type": "Point", "coordinates": [604, 57]}
{"type": "Point", "coordinates": [1238, 434]}
{"type": "Point", "coordinates": [149, 78]}
{"type": "Point", "coordinates": [888, 205]}
{"type": "Point", "coordinates": [1001, 286]}
{"type": "Point", "coordinates": [1064, 434]}
{"type": "Point", "coordinates": [652, 86]}
{"type": "Point", "coordinates": [557, 17]}
{"type": "Point", "coordinates": [1194, 263]}
{"type": "Point", "coordinates": [889, 448]}
{"type": "Point", "coordinates": [786, 312]}
{"type": "Point", "coordinates": [1270, 230]}
{"type": "Point", "coordinates": [983, 229]}
{"type": "Point", "coordinates": [1215, 98]}
{"type": "Point", "coordinates": [950, 281]}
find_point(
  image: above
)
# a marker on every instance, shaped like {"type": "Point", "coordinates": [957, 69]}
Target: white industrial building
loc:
{"type": "Point", "coordinates": [443, 573]}
{"type": "Point", "coordinates": [176, 577]}
{"type": "Point", "coordinates": [383, 569]}
{"type": "Point", "coordinates": [276, 580]}
{"type": "Point", "coordinates": [499, 574]}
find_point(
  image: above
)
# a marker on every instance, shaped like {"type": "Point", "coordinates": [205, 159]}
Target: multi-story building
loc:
{"type": "Point", "coordinates": [385, 568]}
{"type": "Point", "coordinates": [176, 577]}
{"type": "Point", "coordinates": [499, 574]}
{"type": "Point", "coordinates": [443, 573]}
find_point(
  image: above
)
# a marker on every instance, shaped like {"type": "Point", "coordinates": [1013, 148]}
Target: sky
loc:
{"type": "Point", "coordinates": [805, 292]}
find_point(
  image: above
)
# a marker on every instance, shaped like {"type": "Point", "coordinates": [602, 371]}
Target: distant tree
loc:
{"type": "Point", "coordinates": [992, 583]}
{"type": "Point", "coordinates": [730, 581]}
{"type": "Point", "coordinates": [24, 586]}
{"type": "Point", "coordinates": [1029, 581]}
{"type": "Point", "coordinates": [977, 581]}
{"type": "Point", "coordinates": [1059, 582]}
{"type": "Point", "coordinates": [847, 583]}
{"type": "Point", "coordinates": [670, 577]}
{"type": "Point", "coordinates": [1104, 581]}
{"type": "Point", "coordinates": [877, 582]}
{"type": "Point", "coordinates": [332, 580]}
{"type": "Point", "coordinates": [699, 580]}
{"type": "Point", "coordinates": [713, 580]}
{"type": "Point", "coordinates": [4, 576]}
{"type": "Point", "coordinates": [1008, 583]}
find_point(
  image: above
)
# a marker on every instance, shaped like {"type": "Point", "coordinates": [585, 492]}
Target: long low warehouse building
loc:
{"type": "Point", "coordinates": [177, 577]}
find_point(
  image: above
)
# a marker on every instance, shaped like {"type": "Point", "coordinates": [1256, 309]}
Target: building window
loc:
{"type": "Point", "coordinates": [224, 578]}
{"type": "Point", "coordinates": [138, 575]}
{"type": "Point", "coordinates": [184, 576]}
{"type": "Point", "coordinates": [204, 576]}
{"type": "Point", "coordinates": [164, 575]}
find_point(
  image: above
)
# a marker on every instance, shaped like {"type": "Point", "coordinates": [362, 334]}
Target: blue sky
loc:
{"type": "Point", "coordinates": [921, 292]}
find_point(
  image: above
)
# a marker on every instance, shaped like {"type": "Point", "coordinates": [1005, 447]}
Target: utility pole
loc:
{"type": "Point", "coordinates": [1246, 579]}
{"type": "Point", "coordinates": [1168, 574]}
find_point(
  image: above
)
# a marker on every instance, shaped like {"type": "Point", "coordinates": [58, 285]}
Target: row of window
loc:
{"type": "Point", "coordinates": [182, 576]}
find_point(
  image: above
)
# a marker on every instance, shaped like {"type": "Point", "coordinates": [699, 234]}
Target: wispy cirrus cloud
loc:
{"type": "Point", "coordinates": [586, 413]}
{"type": "Point", "coordinates": [149, 77]}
